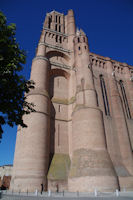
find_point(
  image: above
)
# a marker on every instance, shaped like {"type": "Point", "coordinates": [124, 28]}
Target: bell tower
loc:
{"type": "Point", "coordinates": [73, 141]}
{"type": "Point", "coordinates": [45, 142]}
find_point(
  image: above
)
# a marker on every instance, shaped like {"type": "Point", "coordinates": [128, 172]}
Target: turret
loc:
{"type": "Point", "coordinates": [91, 163]}
{"type": "Point", "coordinates": [32, 146]}
{"type": "Point", "coordinates": [70, 28]}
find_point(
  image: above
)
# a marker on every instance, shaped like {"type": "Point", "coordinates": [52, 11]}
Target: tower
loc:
{"type": "Point", "coordinates": [71, 140]}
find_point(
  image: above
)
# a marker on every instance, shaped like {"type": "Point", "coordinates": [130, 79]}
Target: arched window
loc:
{"type": "Point", "coordinates": [124, 99]}
{"type": "Point", "coordinates": [104, 95]}
{"type": "Point", "coordinates": [78, 39]}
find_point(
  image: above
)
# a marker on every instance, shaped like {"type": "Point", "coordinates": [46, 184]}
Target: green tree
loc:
{"type": "Point", "coordinates": [13, 104]}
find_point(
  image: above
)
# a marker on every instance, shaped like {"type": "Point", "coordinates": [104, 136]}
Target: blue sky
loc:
{"type": "Point", "coordinates": [107, 23]}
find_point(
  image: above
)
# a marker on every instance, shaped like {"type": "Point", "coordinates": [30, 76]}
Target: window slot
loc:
{"type": "Point", "coordinates": [104, 95]}
{"type": "Point", "coordinates": [59, 28]}
{"type": "Point", "coordinates": [60, 39]}
{"type": "Point", "coordinates": [58, 134]}
{"type": "Point", "coordinates": [49, 22]}
{"type": "Point", "coordinates": [59, 19]}
{"type": "Point", "coordinates": [56, 27]}
{"type": "Point", "coordinates": [125, 101]}
{"type": "Point", "coordinates": [56, 18]}
{"type": "Point", "coordinates": [59, 108]}
{"type": "Point", "coordinates": [56, 38]}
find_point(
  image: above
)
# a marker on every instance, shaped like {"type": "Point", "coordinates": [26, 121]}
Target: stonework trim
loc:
{"type": "Point", "coordinates": [37, 92]}
{"type": "Point", "coordinates": [40, 58]}
{"type": "Point", "coordinates": [52, 63]}
{"type": "Point", "coordinates": [82, 106]}
{"type": "Point", "coordinates": [29, 176]}
{"type": "Point", "coordinates": [56, 32]}
{"type": "Point", "coordinates": [64, 120]}
{"type": "Point", "coordinates": [64, 101]}
{"type": "Point", "coordinates": [47, 114]}
{"type": "Point", "coordinates": [60, 65]}
{"type": "Point", "coordinates": [54, 47]}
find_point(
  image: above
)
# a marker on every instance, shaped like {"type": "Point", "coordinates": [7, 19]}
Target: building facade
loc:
{"type": "Point", "coordinates": [5, 176]}
{"type": "Point", "coordinates": [81, 135]}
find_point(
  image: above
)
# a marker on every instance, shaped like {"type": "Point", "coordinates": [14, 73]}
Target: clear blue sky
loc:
{"type": "Point", "coordinates": [107, 23]}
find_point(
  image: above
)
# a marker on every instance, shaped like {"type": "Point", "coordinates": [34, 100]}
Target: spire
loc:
{"type": "Point", "coordinates": [80, 32]}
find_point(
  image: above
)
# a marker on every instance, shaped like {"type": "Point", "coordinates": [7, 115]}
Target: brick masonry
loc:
{"type": "Point", "coordinates": [81, 135]}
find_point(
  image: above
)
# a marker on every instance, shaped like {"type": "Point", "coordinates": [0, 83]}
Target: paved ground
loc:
{"type": "Point", "coordinates": [66, 198]}
{"type": "Point", "coordinates": [69, 196]}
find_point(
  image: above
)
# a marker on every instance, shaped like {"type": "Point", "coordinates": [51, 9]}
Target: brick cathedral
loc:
{"type": "Point", "coordinates": [81, 135]}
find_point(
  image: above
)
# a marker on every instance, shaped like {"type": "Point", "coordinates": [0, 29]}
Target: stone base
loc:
{"type": "Point", "coordinates": [89, 184]}
{"type": "Point", "coordinates": [57, 186]}
{"type": "Point", "coordinates": [58, 173]}
{"type": "Point", "coordinates": [126, 183]}
{"type": "Point", "coordinates": [27, 184]}
{"type": "Point", "coordinates": [91, 169]}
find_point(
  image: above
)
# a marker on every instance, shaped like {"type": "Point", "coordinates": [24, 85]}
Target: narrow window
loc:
{"type": "Point", "coordinates": [104, 94]}
{"type": "Point", "coordinates": [58, 82]}
{"type": "Point", "coordinates": [59, 28]}
{"type": "Point", "coordinates": [56, 18]}
{"type": "Point", "coordinates": [97, 99]}
{"type": "Point", "coordinates": [49, 22]}
{"type": "Point", "coordinates": [59, 108]}
{"type": "Point", "coordinates": [124, 99]}
{"type": "Point", "coordinates": [58, 135]}
{"type": "Point", "coordinates": [60, 39]}
{"type": "Point", "coordinates": [59, 19]}
{"type": "Point", "coordinates": [83, 39]}
{"type": "Point", "coordinates": [79, 48]}
{"type": "Point", "coordinates": [56, 27]}
{"type": "Point", "coordinates": [78, 39]}
{"type": "Point", "coordinates": [85, 47]}
{"type": "Point", "coordinates": [56, 38]}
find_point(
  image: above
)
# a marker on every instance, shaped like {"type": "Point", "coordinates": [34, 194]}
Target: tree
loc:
{"type": "Point", "coordinates": [13, 104]}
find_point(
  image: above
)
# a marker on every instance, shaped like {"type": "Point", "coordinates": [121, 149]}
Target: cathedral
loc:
{"type": "Point", "coordinates": [81, 136]}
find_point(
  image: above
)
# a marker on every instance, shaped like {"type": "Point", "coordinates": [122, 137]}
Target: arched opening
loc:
{"type": "Point", "coordinates": [58, 83]}
{"type": "Point", "coordinates": [51, 54]}
{"type": "Point", "coordinates": [58, 94]}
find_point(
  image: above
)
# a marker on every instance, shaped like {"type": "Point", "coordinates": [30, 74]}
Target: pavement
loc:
{"type": "Point", "coordinates": [67, 196]}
